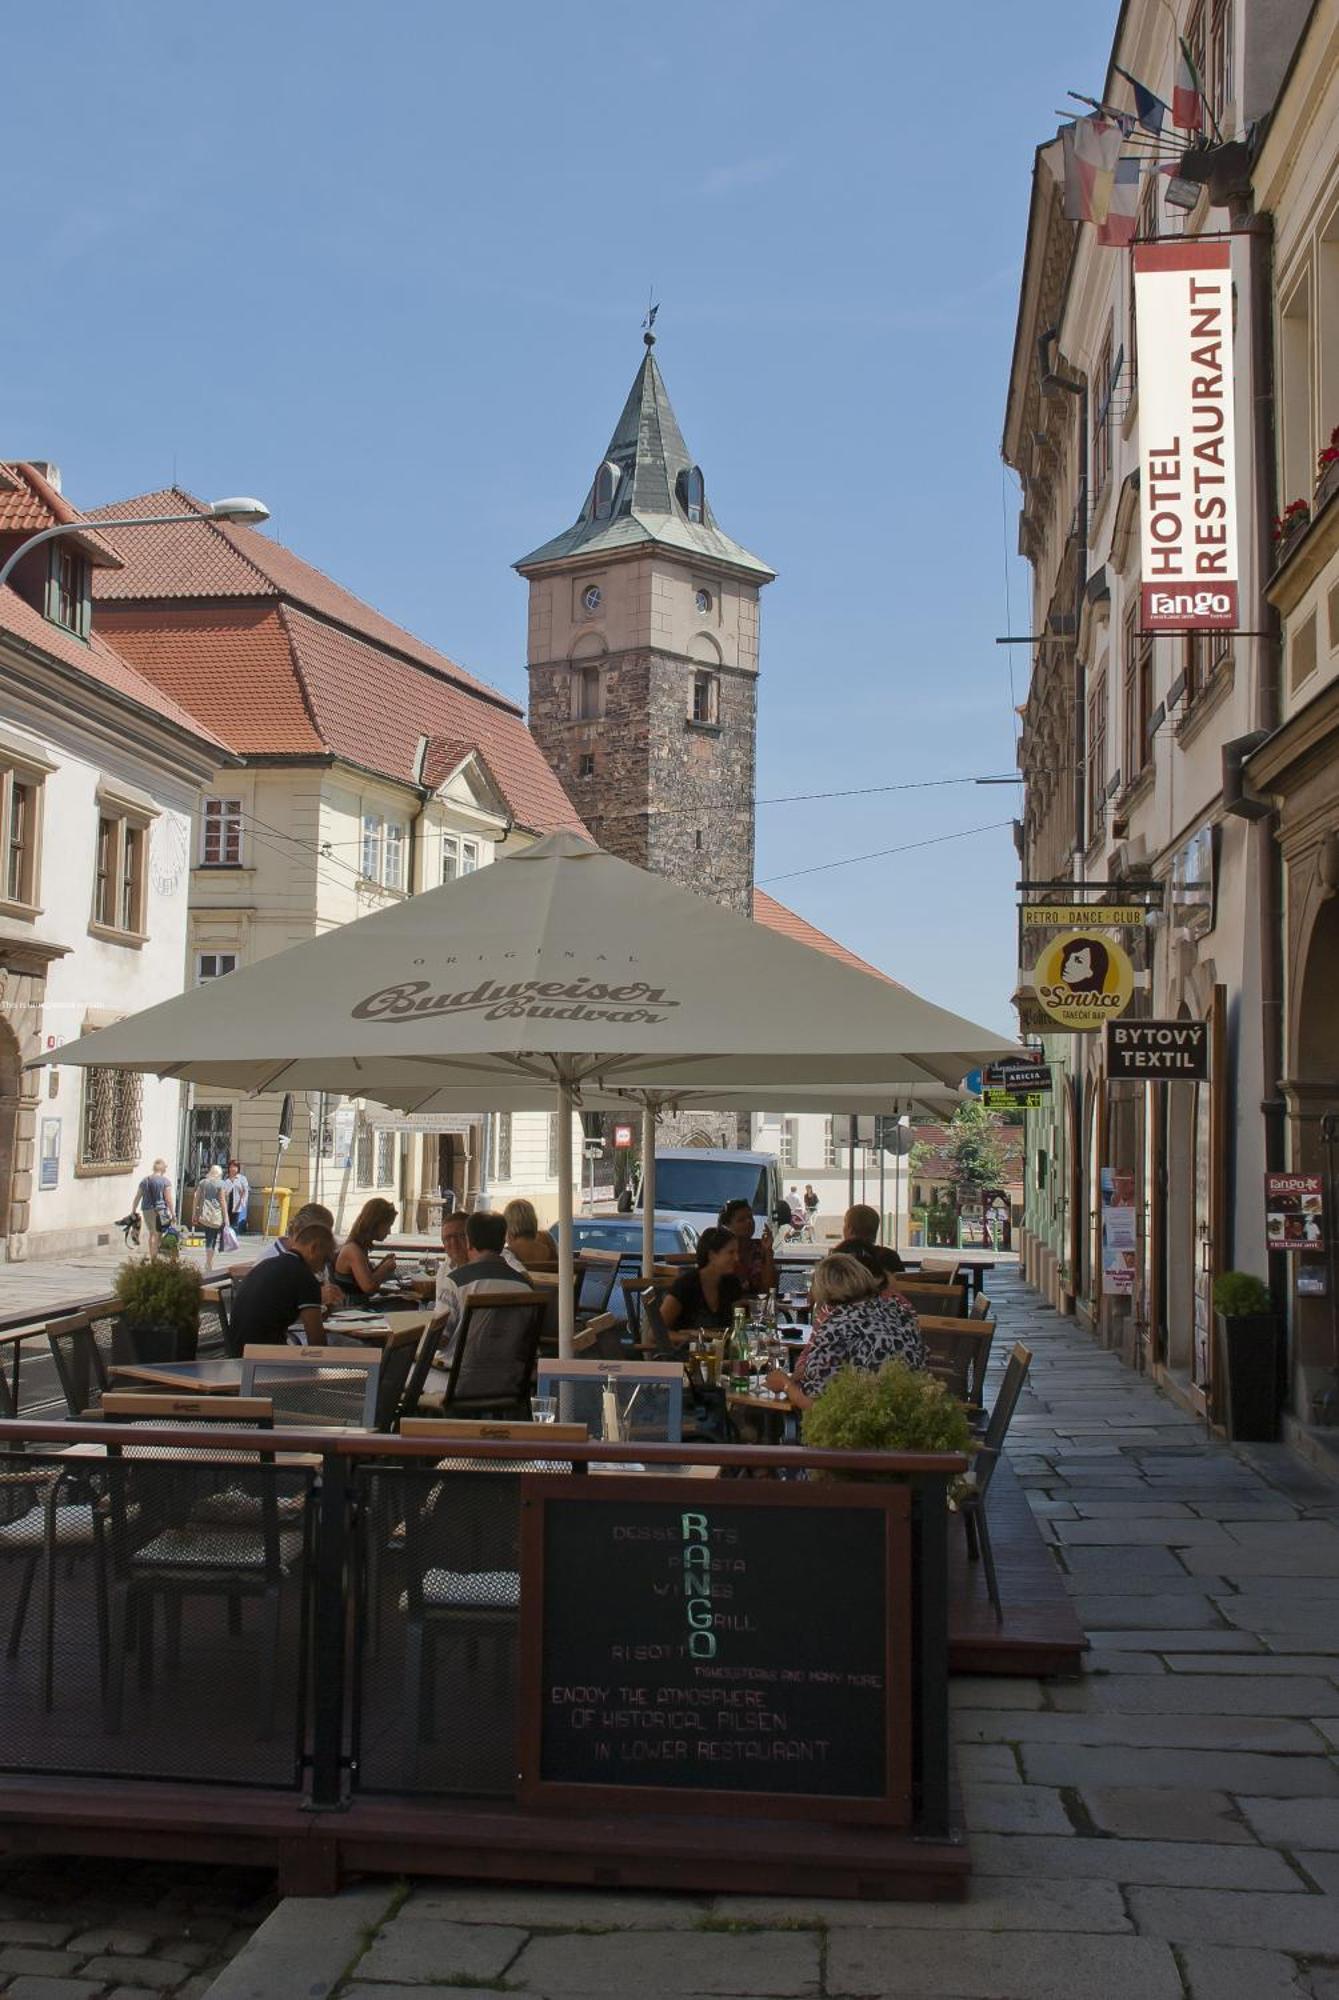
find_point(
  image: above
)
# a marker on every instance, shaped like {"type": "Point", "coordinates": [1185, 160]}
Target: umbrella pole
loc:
{"type": "Point", "coordinates": [648, 1186]}
{"type": "Point", "coordinates": [566, 1266]}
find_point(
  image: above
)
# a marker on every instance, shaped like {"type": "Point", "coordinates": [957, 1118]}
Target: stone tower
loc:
{"type": "Point", "coordinates": [643, 658]}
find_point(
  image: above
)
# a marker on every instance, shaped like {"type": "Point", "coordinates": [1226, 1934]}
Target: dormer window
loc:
{"type": "Point", "coordinates": [606, 486]}
{"type": "Point", "coordinates": [692, 492]}
{"type": "Point", "coordinates": [68, 597]}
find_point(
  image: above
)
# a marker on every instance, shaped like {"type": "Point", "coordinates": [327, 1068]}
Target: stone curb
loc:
{"type": "Point", "coordinates": [306, 1946]}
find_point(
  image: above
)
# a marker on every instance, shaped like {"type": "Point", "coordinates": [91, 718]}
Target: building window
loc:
{"type": "Point", "coordinates": [829, 1143]}
{"type": "Point", "coordinates": [502, 1145]}
{"type": "Point", "coordinates": [109, 1129]}
{"type": "Point", "coordinates": [1302, 654]}
{"type": "Point", "coordinates": [1205, 654]}
{"type": "Point", "coordinates": [370, 856]}
{"type": "Point", "coordinates": [119, 875]}
{"type": "Point", "coordinates": [1096, 774]}
{"type": "Point", "coordinates": [459, 856]}
{"type": "Point", "coordinates": [393, 852]}
{"type": "Point", "coordinates": [787, 1149]}
{"type": "Point", "coordinates": [693, 493]}
{"type": "Point", "coordinates": [606, 486]}
{"type": "Point", "coordinates": [706, 698]}
{"type": "Point", "coordinates": [1219, 81]}
{"type": "Point", "coordinates": [1137, 747]}
{"type": "Point", "coordinates": [221, 834]}
{"type": "Point", "coordinates": [1297, 416]}
{"type": "Point", "coordinates": [20, 824]}
{"type": "Point", "coordinates": [1103, 385]}
{"type": "Point", "coordinates": [387, 1153]}
{"type": "Point", "coordinates": [586, 764]}
{"type": "Point", "coordinates": [68, 600]}
{"type": "Point", "coordinates": [364, 1162]}
{"type": "Point", "coordinates": [586, 694]}
{"type": "Point", "coordinates": [214, 965]}
{"type": "Point", "coordinates": [469, 856]}
{"type": "Point", "coordinates": [208, 1138]}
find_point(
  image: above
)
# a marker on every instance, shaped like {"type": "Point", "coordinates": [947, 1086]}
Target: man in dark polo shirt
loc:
{"type": "Point", "coordinates": [284, 1288]}
{"type": "Point", "coordinates": [860, 1235]}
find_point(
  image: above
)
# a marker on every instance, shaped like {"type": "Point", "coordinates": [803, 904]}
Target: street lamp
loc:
{"type": "Point", "coordinates": [235, 509]}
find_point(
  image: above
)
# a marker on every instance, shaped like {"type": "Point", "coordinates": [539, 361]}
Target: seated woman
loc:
{"type": "Point", "coordinates": [860, 1328]}
{"type": "Point", "coordinates": [355, 1273]}
{"type": "Point", "coordinates": [529, 1247]}
{"type": "Point", "coordinates": [707, 1296]}
{"type": "Point", "coordinates": [757, 1265]}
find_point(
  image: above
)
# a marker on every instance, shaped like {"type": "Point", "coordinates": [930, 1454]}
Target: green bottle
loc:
{"type": "Point", "coordinates": [737, 1353]}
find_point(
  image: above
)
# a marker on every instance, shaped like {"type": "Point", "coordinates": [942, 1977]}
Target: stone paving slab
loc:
{"type": "Point", "coordinates": [1220, 1972]}
{"type": "Point", "coordinates": [784, 1963]}
{"type": "Point", "coordinates": [1236, 1771]}
{"type": "Point", "coordinates": [1171, 1863]}
{"type": "Point", "coordinates": [1302, 1924]}
{"type": "Point", "coordinates": [1208, 1693]}
{"type": "Point", "coordinates": [425, 1950]}
{"type": "Point", "coordinates": [1135, 1729]}
{"type": "Point", "coordinates": [972, 1966]}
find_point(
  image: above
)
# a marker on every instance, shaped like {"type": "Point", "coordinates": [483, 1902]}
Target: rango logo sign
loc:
{"type": "Point", "coordinates": [1083, 979]}
{"type": "Point", "coordinates": [1187, 450]}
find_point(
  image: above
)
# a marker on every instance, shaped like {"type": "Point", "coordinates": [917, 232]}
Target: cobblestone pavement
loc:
{"type": "Point", "coordinates": [72, 1928]}
{"type": "Point", "coordinates": [1166, 1828]}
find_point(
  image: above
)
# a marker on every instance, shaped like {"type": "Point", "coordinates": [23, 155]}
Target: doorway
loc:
{"type": "Point", "coordinates": [11, 1070]}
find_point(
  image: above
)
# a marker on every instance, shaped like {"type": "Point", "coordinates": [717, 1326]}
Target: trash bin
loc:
{"type": "Point", "coordinates": [275, 1217]}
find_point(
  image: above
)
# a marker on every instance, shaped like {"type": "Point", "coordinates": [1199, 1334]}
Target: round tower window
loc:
{"type": "Point", "coordinates": [703, 602]}
{"type": "Point", "coordinates": [593, 597]}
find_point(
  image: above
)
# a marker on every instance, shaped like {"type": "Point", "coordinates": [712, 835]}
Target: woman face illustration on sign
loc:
{"type": "Point", "coordinates": [1085, 967]}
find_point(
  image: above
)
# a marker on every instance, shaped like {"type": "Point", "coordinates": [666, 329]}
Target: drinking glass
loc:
{"type": "Point", "coordinates": [544, 1409]}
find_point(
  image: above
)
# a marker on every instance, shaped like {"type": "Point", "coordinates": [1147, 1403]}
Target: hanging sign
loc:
{"type": "Point", "coordinates": [1294, 1212]}
{"type": "Point", "coordinates": [1063, 916]}
{"type": "Point", "coordinates": [622, 1137]}
{"type": "Point", "coordinates": [1015, 1074]}
{"type": "Point", "coordinates": [1012, 1100]}
{"type": "Point", "coordinates": [1187, 449]}
{"type": "Point", "coordinates": [1148, 1051]}
{"type": "Point", "coordinates": [1083, 979]}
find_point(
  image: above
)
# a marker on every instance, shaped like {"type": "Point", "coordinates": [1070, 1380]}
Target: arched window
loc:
{"type": "Point", "coordinates": [586, 694]}
{"type": "Point", "coordinates": [692, 492]}
{"type": "Point", "coordinates": [706, 697]}
{"type": "Point", "coordinates": [606, 486]}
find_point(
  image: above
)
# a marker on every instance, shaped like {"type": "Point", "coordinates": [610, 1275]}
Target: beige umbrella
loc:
{"type": "Point", "coordinates": [560, 965]}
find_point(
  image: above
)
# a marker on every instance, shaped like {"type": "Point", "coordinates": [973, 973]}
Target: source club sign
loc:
{"type": "Point", "coordinates": [1083, 979]}
{"type": "Point", "coordinates": [1187, 442]}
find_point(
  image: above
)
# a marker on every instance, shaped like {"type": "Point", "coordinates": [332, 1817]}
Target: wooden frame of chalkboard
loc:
{"type": "Point", "coordinates": [672, 1740]}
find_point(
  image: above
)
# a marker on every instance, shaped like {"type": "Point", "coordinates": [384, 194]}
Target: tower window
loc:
{"type": "Point", "coordinates": [586, 694]}
{"type": "Point", "coordinates": [697, 840]}
{"type": "Point", "coordinates": [606, 486]}
{"type": "Point", "coordinates": [586, 764]}
{"type": "Point", "coordinates": [692, 492]}
{"type": "Point", "coordinates": [706, 698]}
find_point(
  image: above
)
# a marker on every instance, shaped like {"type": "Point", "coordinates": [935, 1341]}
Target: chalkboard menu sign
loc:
{"type": "Point", "coordinates": [726, 1647]}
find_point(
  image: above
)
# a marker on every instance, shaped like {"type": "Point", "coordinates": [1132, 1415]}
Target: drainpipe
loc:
{"type": "Point", "coordinates": [424, 798]}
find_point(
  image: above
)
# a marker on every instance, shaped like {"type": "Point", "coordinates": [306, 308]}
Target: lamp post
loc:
{"type": "Point", "coordinates": [240, 509]}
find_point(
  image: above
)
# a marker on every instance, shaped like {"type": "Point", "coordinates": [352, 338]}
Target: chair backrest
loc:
{"type": "Point", "coordinates": [948, 1300]}
{"type": "Point", "coordinates": [126, 1406]}
{"type": "Point", "coordinates": [980, 1307]}
{"type": "Point", "coordinates": [493, 1360]}
{"type": "Point", "coordinates": [597, 1272]}
{"type": "Point", "coordinates": [399, 1352]}
{"type": "Point", "coordinates": [602, 1337]}
{"type": "Point", "coordinates": [648, 1397]}
{"type": "Point", "coordinates": [315, 1385]}
{"type": "Point", "coordinates": [425, 1354]}
{"type": "Point", "coordinates": [220, 1295]}
{"type": "Point", "coordinates": [1001, 1415]}
{"type": "Point", "coordinates": [649, 1331]}
{"type": "Point", "coordinates": [80, 1367]}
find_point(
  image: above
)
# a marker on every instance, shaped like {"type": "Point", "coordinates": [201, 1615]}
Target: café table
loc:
{"type": "Point", "coordinates": [222, 1377]}
{"type": "Point", "coordinates": [774, 1410]}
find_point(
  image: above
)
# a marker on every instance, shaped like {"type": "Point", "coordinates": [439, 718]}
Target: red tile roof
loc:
{"type": "Point", "coordinates": [29, 503]}
{"type": "Point", "coordinates": [766, 910]}
{"type": "Point", "coordinates": [98, 663]}
{"type": "Point", "coordinates": [233, 667]}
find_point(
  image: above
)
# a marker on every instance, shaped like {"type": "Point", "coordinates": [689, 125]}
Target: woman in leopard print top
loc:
{"type": "Point", "coordinates": [862, 1328]}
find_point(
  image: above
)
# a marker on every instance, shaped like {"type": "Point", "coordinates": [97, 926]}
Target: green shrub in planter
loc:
{"type": "Point", "coordinates": [1239, 1295]}
{"type": "Point", "coordinates": [899, 1409]}
{"type": "Point", "coordinates": [160, 1309]}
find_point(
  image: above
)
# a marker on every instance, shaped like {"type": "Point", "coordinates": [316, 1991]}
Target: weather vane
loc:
{"type": "Point", "coordinates": [648, 324]}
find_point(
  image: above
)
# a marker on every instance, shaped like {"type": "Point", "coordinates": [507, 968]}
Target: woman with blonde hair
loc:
{"type": "Point", "coordinates": [355, 1273]}
{"type": "Point", "coordinates": [529, 1247]}
{"type": "Point", "coordinates": [861, 1327]}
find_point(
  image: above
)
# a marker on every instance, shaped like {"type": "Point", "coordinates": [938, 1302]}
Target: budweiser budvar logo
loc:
{"type": "Point", "coordinates": [527, 1000]}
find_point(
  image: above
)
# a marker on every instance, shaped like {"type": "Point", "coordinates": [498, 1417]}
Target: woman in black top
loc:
{"type": "Point", "coordinates": [707, 1296]}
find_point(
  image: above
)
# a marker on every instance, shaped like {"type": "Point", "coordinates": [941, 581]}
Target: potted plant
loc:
{"type": "Point", "coordinates": [897, 1409]}
{"type": "Point", "coordinates": [1248, 1332]}
{"type": "Point", "coordinates": [1327, 471]}
{"type": "Point", "coordinates": [159, 1299]}
{"type": "Point", "coordinates": [1290, 526]}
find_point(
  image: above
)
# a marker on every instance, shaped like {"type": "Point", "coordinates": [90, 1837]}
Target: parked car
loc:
{"type": "Point", "coordinates": [624, 1233]}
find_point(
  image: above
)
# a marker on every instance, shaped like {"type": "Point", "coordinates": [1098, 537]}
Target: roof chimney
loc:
{"type": "Point", "coordinates": [48, 471]}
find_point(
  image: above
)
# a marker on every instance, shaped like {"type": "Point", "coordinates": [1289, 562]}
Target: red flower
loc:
{"type": "Point", "coordinates": [1293, 514]}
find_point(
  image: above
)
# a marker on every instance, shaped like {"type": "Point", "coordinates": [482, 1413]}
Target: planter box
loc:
{"type": "Point", "coordinates": [1248, 1372]}
{"type": "Point", "coordinates": [1326, 487]}
{"type": "Point", "coordinates": [135, 1341]}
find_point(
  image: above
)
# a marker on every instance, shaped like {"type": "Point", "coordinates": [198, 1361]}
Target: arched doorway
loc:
{"type": "Point", "coordinates": [1314, 1092]}
{"type": "Point", "coordinates": [10, 1074]}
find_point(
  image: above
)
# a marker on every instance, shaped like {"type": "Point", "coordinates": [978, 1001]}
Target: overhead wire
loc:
{"type": "Point", "coordinates": [883, 853]}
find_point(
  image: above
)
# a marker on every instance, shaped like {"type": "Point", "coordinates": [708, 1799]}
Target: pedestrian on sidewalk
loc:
{"type": "Point", "coordinates": [237, 1189]}
{"type": "Point", "coordinates": [153, 1200]}
{"type": "Point", "coordinates": [210, 1212]}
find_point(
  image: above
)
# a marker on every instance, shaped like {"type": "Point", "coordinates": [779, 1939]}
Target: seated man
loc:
{"type": "Point", "coordinates": [456, 1250]}
{"type": "Point", "coordinates": [485, 1269]}
{"type": "Point", "coordinates": [311, 1212]}
{"type": "Point", "coordinates": [860, 1226]}
{"type": "Point", "coordinates": [279, 1290]}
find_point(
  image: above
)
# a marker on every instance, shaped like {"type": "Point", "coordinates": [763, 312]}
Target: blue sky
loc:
{"type": "Point", "coordinates": [386, 267]}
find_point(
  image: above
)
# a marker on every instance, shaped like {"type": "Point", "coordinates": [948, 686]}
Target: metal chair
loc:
{"type": "Point", "coordinates": [980, 1307]}
{"type": "Point", "coordinates": [492, 1367]}
{"type": "Point", "coordinates": [958, 1352]}
{"type": "Point", "coordinates": [603, 1338]}
{"type": "Point", "coordinates": [648, 1397]}
{"type": "Point", "coordinates": [972, 1502]}
{"type": "Point", "coordinates": [81, 1364]}
{"type": "Point", "coordinates": [651, 1336]}
{"type": "Point", "coordinates": [315, 1385]}
{"type": "Point", "coordinates": [597, 1273]}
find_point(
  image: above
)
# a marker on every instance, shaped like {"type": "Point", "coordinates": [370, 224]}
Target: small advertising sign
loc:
{"type": "Point", "coordinates": [1120, 1249]}
{"type": "Point", "coordinates": [1012, 1100]}
{"type": "Point", "coordinates": [1083, 979]}
{"type": "Point", "coordinates": [1016, 1074]}
{"type": "Point", "coordinates": [1064, 916]}
{"type": "Point", "coordinates": [1294, 1212]}
{"type": "Point", "coordinates": [1187, 450]}
{"type": "Point", "coordinates": [48, 1172]}
{"type": "Point", "coordinates": [622, 1137]}
{"type": "Point", "coordinates": [1151, 1051]}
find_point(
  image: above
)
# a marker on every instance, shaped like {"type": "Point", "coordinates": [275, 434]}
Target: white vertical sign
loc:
{"type": "Point", "coordinates": [1187, 442]}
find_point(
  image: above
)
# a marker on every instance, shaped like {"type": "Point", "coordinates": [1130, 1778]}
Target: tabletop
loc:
{"type": "Point", "coordinates": [205, 1378]}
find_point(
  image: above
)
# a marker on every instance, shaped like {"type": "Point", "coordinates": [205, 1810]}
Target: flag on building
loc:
{"type": "Point", "coordinates": [1122, 216]}
{"type": "Point", "coordinates": [1187, 91]}
{"type": "Point", "coordinates": [1091, 150]}
{"type": "Point", "coordinates": [1149, 108]}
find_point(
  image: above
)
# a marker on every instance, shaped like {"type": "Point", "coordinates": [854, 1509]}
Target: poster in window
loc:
{"type": "Point", "coordinates": [343, 1124]}
{"type": "Point", "coordinates": [48, 1173]}
{"type": "Point", "coordinates": [1294, 1212]}
{"type": "Point", "coordinates": [1120, 1246]}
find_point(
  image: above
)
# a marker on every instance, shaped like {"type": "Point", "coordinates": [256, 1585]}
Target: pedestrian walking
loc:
{"type": "Point", "coordinates": [237, 1189]}
{"type": "Point", "coordinates": [810, 1208]}
{"type": "Point", "coordinates": [210, 1211]}
{"type": "Point", "coordinates": [153, 1200]}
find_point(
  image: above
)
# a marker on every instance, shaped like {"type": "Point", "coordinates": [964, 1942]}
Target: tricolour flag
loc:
{"type": "Point", "coordinates": [1091, 149]}
{"type": "Point", "coordinates": [1122, 217]}
{"type": "Point", "coordinates": [1149, 108]}
{"type": "Point", "coordinates": [1187, 91]}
